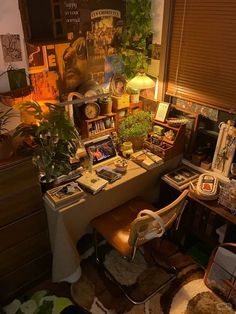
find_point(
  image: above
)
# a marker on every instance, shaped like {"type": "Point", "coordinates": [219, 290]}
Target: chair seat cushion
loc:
{"type": "Point", "coordinates": [114, 225]}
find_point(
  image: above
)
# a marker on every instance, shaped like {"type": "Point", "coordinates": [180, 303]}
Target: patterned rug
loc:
{"type": "Point", "coordinates": [96, 293]}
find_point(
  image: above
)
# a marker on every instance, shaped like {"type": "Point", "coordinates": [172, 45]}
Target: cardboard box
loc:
{"type": "Point", "coordinates": [120, 102]}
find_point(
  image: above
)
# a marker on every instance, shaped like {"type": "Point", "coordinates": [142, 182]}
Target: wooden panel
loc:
{"type": "Point", "coordinates": [17, 176]}
{"type": "Point", "coordinates": [18, 281]}
{"type": "Point", "coordinates": [22, 229]}
{"type": "Point", "coordinates": [23, 253]}
{"type": "Point", "coordinates": [19, 204]}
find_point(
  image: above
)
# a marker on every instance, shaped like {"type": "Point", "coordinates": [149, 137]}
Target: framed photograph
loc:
{"type": "Point", "coordinates": [162, 111]}
{"type": "Point", "coordinates": [37, 56]}
{"type": "Point", "coordinates": [118, 85]}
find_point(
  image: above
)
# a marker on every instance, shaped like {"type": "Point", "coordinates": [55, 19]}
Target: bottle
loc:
{"type": "Point", "coordinates": [112, 122]}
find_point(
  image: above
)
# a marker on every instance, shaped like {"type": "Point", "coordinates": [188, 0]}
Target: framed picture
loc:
{"type": "Point", "coordinates": [118, 85]}
{"type": "Point", "coordinates": [37, 56]}
{"type": "Point", "coordinates": [225, 149]}
{"type": "Point", "coordinates": [162, 111]}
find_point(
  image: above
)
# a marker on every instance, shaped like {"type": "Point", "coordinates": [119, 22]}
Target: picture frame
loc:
{"type": "Point", "coordinates": [37, 56]}
{"type": "Point", "coordinates": [162, 111]}
{"type": "Point", "coordinates": [118, 85]}
{"type": "Point", "coordinates": [225, 149]}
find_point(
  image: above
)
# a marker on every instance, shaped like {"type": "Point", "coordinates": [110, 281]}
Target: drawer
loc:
{"type": "Point", "coordinates": [19, 204]}
{"type": "Point", "coordinates": [17, 176]}
{"type": "Point", "coordinates": [19, 281]}
{"type": "Point", "coordinates": [22, 229]}
{"type": "Point", "coordinates": [24, 252]}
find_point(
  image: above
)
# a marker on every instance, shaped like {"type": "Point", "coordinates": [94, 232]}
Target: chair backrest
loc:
{"type": "Point", "coordinates": [149, 224]}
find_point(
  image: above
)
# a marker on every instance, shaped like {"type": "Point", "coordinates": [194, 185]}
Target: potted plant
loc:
{"type": "Point", "coordinates": [53, 139]}
{"type": "Point", "coordinates": [6, 146]}
{"type": "Point", "coordinates": [135, 128]}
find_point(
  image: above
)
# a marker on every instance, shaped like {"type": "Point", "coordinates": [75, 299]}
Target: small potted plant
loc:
{"type": "Point", "coordinates": [135, 128]}
{"type": "Point", "coordinates": [53, 139]}
{"type": "Point", "coordinates": [6, 146]}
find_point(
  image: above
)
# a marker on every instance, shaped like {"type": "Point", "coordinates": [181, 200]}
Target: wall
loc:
{"type": "Point", "coordinates": [10, 22]}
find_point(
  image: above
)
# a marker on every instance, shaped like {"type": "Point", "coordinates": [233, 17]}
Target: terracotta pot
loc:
{"type": "Point", "coordinates": [137, 142]}
{"type": "Point", "coordinates": [6, 147]}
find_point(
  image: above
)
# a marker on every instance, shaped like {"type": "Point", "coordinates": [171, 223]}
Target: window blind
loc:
{"type": "Point", "coordinates": [202, 58]}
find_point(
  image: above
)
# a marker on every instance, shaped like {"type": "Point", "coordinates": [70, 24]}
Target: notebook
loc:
{"type": "Point", "coordinates": [101, 150]}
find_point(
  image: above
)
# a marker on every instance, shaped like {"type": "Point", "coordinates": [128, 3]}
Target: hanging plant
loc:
{"type": "Point", "coordinates": [134, 46]}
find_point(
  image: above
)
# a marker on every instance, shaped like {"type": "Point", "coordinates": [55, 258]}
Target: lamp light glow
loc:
{"type": "Point", "coordinates": [141, 81]}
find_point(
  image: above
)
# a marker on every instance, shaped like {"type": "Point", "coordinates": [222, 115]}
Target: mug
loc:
{"type": "Point", "coordinates": [127, 149]}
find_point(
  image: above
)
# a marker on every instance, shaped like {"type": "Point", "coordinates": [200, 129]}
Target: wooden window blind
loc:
{"type": "Point", "coordinates": [202, 60]}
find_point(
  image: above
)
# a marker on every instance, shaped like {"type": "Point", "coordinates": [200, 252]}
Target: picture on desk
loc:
{"type": "Point", "coordinates": [181, 175]}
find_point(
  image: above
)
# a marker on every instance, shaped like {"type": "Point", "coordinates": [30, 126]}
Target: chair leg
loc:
{"type": "Point", "coordinates": [95, 239]}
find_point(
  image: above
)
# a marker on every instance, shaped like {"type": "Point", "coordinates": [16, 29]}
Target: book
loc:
{"type": "Point", "coordinates": [65, 194]}
{"type": "Point", "coordinates": [181, 177]}
{"type": "Point", "coordinates": [147, 160]}
{"type": "Point", "coordinates": [91, 182]}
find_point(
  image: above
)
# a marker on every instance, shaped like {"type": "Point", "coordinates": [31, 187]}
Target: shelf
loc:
{"type": "Point", "coordinates": [208, 132]}
{"type": "Point", "coordinates": [96, 119]}
{"type": "Point", "coordinates": [166, 125]}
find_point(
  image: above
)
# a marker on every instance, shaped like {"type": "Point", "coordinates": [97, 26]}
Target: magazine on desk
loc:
{"type": "Point", "coordinates": [65, 194]}
{"type": "Point", "coordinates": [181, 177]}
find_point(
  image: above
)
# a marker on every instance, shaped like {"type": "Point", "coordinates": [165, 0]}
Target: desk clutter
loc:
{"type": "Point", "coordinates": [65, 194]}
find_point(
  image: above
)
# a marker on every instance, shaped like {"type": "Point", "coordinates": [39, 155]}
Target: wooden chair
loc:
{"type": "Point", "coordinates": [134, 223]}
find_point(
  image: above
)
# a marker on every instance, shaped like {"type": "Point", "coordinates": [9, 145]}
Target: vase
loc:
{"type": "Point", "coordinates": [45, 186]}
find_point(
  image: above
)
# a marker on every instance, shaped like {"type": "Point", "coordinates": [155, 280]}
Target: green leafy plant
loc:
{"type": "Point", "coordinates": [5, 117]}
{"type": "Point", "coordinates": [134, 45]}
{"type": "Point", "coordinates": [136, 125]}
{"type": "Point", "coordinates": [53, 139]}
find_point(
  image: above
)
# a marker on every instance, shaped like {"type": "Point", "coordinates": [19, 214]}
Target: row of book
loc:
{"type": "Point", "coordinates": [100, 125]}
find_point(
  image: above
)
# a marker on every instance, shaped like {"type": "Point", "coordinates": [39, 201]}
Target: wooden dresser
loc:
{"type": "Point", "coordinates": [25, 256]}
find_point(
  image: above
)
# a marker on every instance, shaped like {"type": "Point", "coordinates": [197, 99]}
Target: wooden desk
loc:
{"type": "Point", "coordinates": [68, 224]}
{"type": "Point", "coordinates": [201, 217]}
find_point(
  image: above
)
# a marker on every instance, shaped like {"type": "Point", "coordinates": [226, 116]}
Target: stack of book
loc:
{"type": "Point", "coordinates": [64, 195]}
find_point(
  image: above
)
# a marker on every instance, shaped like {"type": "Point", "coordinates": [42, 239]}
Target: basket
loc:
{"type": "Point", "coordinates": [227, 196]}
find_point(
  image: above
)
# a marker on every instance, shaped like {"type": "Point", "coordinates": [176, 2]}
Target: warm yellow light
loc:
{"type": "Point", "coordinates": [141, 81]}
{"type": "Point", "coordinates": [156, 90]}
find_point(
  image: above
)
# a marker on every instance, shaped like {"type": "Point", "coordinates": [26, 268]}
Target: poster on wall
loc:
{"type": "Point", "coordinates": [11, 47]}
{"type": "Point", "coordinates": [44, 86]}
{"type": "Point", "coordinates": [37, 58]}
{"type": "Point", "coordinates": [82, 57]}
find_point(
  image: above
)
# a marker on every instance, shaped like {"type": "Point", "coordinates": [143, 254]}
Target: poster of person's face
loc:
{"type": "Point", "coordinates": [83, 56]}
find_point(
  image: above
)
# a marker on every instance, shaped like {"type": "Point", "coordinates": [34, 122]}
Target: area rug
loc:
{"type": "Point", "coordinates": [96, 293]}
{"type": "Point", "coordinates": [186, 294]}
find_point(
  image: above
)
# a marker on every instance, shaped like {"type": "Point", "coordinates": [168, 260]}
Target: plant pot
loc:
{"type": "Point", "coordinates": [137, 142]}
{"type": "Point", "coordinates": [45, 186]}
{"type": "Point", "coordinates": [6, 147]}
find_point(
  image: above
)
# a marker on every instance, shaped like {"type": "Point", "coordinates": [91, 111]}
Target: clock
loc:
{"type": "Point", "coordinates": [91, 110]}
